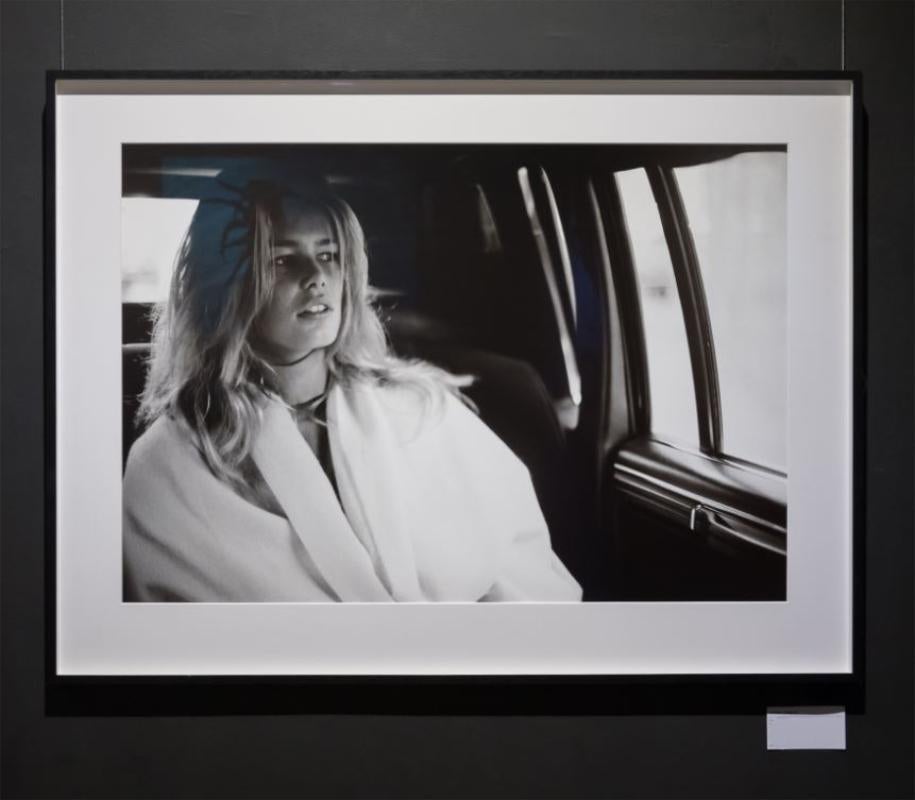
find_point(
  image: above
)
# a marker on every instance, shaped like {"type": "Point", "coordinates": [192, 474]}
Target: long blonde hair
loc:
{"type": "Point", "coordinates": [203, 367]}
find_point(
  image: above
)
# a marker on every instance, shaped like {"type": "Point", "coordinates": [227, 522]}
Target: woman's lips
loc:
{"type": "Point", "coordinates": [314, 310]}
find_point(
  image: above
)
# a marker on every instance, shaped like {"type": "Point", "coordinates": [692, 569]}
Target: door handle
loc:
{"type": "Point", "coordinates": [698, 515]}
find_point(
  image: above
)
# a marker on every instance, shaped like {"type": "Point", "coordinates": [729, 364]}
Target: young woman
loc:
{"type": "Point", "coordinates": [289, 456]}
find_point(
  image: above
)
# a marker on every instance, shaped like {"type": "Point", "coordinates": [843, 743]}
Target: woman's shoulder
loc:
{"type": "Point", "coordinates": [408, 399]}
{"type": "Point", "coordinates": [420, 416]}
{"type": "Point", "coordinates": [166, 443]}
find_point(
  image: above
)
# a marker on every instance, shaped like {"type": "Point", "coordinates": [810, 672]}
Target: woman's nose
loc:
{"type": "Point", "coordinates": [313, 278]}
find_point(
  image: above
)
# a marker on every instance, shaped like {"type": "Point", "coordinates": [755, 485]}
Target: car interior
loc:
{"type": "Point", "coordinates": [519, 265]}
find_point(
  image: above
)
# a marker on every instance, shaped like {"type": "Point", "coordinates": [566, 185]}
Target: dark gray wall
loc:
{"type": "Point", "coordinates": [657, 755]}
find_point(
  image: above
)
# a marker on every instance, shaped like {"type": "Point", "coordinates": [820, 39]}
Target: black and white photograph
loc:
{"type": "Point", "coordinates": [454, 373]}
{"type": "Point", "coordinates": [482, 377]}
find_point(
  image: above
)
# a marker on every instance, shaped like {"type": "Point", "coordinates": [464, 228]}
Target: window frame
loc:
{"type": "Point", "coordinates": [545, 227]}
{"type": "Point", "coordinates": [693, 303]}
{"type": "Point", "coordinates": [704, 490]}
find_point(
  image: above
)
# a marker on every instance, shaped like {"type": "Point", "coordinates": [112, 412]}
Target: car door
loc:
{"type": "Point", "coordinates": [694, 478]}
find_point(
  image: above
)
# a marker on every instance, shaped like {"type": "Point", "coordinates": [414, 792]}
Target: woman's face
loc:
{"type": "Point", "coordinates": [303, 314]}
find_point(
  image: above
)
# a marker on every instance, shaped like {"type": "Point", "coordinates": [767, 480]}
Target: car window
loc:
{"type": "Point", "coordinates": [737, 214]}
{"type": "Point", "coordinates": [670, 379]}
{"type": "Point", "coordinates": [151, 232]}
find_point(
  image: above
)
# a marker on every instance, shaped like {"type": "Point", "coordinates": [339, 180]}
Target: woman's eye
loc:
{"type": "Point", "coordinates": [293, 261]}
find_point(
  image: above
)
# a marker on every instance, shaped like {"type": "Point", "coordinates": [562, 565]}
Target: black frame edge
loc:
{"type": "Point", "coordinates": [49, 198]}
{"type": "Point", "coordinates": [431, 74]}
{"type": "Point", "coordinates": [859, 378]}
{"type": "Point", "coordinates": [454, 694]}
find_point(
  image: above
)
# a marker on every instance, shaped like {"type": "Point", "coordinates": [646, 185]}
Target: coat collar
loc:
{"type": "Point", "coordinates": [306, 496]}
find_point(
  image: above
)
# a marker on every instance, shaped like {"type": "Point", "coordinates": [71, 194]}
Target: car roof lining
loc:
{"type": "Point", "coordinates": [187, 170]}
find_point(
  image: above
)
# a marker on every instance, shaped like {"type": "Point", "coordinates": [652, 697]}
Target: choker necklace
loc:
{"type": "Point", "coordinates": [293, 363]}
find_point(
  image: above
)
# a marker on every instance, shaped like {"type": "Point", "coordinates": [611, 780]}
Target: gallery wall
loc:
{"type": "Point", "coordinates": [607, 754]}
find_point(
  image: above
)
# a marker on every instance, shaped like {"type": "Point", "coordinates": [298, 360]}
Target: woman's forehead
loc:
{"type": "Point", "coordinates": [302, 219]}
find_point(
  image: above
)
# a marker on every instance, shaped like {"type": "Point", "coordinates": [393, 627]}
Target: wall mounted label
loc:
{"type": "Point", "coordinates": [820, 728]}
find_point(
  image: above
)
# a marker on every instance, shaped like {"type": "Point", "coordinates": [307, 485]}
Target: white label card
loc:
{"type": "Point", "coordinates": [805, 728]}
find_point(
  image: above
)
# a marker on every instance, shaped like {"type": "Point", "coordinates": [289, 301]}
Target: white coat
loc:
{"type": "Point", "coordinates": [432, 507]}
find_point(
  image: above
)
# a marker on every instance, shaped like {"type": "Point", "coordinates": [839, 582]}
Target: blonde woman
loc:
{"type": "Point", "coordinates": [289, 456]}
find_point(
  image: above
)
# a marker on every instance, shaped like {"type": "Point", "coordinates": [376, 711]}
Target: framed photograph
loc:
{"type": "Point", "coordinates": [453, 376]}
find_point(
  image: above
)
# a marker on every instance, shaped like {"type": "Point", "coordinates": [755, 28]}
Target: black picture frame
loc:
{"type": "Point", "coordinates": [456, 694]}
